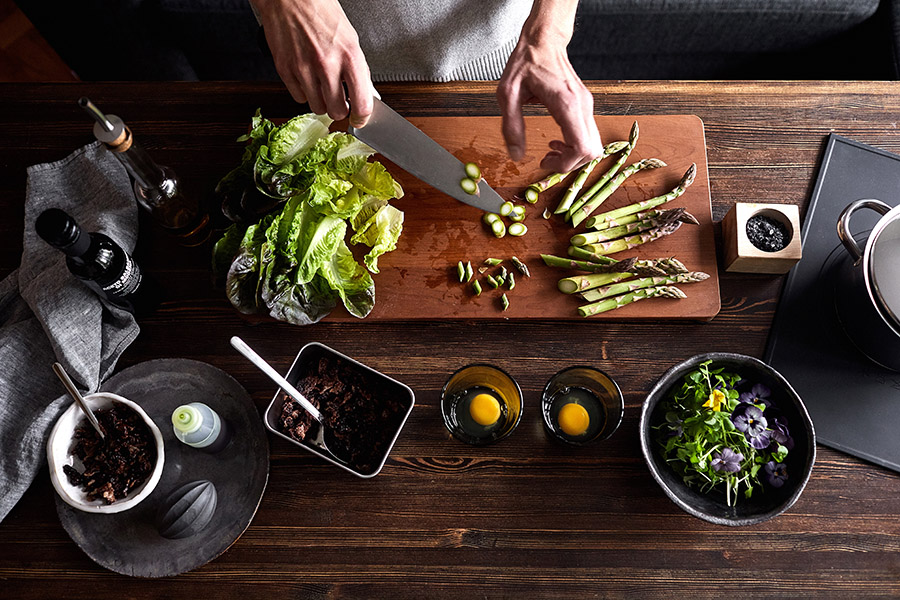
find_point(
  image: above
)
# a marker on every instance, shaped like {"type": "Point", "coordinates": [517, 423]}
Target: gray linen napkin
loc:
{"type": "Point", "coordinates": [47, 315]}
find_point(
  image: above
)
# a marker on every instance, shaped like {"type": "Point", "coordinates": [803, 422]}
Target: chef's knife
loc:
{"type": "Point", "coordinates": [409, 148]}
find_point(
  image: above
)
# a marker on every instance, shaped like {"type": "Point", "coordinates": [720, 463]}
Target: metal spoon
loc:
{"type": "Point", "coordinates": [79, 399]}
{"type": "Point", "coordinates": [242, 347]}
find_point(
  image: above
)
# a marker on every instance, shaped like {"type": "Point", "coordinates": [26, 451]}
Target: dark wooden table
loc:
{"type": "Point", "coordinates": [523, 518]}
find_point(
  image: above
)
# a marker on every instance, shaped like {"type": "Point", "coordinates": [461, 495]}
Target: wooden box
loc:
{"type": "Point", "coordinates": [742, 256]}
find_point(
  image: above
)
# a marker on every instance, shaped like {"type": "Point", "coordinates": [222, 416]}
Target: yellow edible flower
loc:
{"type": "Point", "coordinates": [715, 400]}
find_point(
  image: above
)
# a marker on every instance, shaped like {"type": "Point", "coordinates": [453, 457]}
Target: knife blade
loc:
{"type": "Point", "coordinates": [412, 150]}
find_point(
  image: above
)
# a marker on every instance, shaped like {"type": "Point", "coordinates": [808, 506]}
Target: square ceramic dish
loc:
{"type": "Point", "coordinates": [386, 387]}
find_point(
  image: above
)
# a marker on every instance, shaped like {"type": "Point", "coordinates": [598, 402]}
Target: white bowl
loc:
{"type": "Point", "coordinates": [59, 454]}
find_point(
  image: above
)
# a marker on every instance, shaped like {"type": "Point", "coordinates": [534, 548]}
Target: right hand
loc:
{"type": "Point", "coordinates": [316, 52]}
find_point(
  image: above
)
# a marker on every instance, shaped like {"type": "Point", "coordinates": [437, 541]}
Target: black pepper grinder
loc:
{"type": "Point", "coordinates": [99, 262]}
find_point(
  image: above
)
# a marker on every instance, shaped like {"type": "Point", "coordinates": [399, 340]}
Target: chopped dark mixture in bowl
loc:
{"type": "Point", "coordinates": [117, 464]}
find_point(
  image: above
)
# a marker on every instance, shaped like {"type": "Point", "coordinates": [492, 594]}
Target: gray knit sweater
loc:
{"type": "Point", "coordinates": [437, 40]}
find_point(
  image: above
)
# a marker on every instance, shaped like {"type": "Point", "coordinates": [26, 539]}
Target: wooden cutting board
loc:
{"type": "Point", "coordinates": [419, 280]}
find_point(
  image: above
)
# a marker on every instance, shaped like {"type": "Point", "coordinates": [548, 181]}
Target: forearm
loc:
{"type": "Point", "coordinates": [551, 21]}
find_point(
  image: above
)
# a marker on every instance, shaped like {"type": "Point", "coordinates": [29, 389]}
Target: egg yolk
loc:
{"type": "Point", "coordinates": [573, 419]}
{"type": "Point", "coordinates": [484, 409]}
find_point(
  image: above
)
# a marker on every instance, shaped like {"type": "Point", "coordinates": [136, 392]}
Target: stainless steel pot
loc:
{"type": "Point", "coordinates": [867, 292]}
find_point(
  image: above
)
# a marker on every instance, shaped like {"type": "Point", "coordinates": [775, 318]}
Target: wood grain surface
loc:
{"type": "Point", "coordinates": [419, 279]}
{"type": "Point", "coordinates": [521, 519]}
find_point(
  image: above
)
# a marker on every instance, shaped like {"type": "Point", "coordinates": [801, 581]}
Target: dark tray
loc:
{"type": "Point", "coordinates": [852, 401]}
{"type": "Point", "coordinates": [128, 542]}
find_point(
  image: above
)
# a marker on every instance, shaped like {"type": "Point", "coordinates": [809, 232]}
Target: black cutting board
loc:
{"type": "Point", "coordinates": [854, 403]}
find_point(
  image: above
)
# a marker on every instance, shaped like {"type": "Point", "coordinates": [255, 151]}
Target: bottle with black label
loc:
{"type": "Point", "coordinates": [98, 261]}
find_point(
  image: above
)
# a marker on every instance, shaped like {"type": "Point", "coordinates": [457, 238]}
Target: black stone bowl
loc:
{"type": "Point", "coordinates": [765, 503]}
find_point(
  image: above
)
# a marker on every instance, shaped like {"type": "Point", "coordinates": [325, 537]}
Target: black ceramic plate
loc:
{"type": "Point", "coordinates": [128, 542]}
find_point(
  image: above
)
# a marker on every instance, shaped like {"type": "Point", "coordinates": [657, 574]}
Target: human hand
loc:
{"type": "Point", "coordinates": [316, 52]}
{"type": "Point", "coordinates": [539, 71]}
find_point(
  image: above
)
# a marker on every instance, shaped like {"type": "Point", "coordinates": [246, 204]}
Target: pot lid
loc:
{"type": "Point", "coordinates": [884, 270]}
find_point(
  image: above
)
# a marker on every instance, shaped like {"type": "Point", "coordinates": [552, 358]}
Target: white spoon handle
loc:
{"type": "Point", "coordinates": [266, 368]}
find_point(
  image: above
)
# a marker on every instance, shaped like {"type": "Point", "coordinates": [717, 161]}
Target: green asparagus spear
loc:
{"type": "Point", "coordinates": [644, 268]}
{"type": "Point", "coordinates": [686, 180]}
{"type": "Point", "coordinates": [600, 197]}
{"type": "Point", "coordinates": [569, 197]}
{"type": "Point", "coordinates": [581, 283]}
{"type": "Point", "coordinates": [619, 301]}
{"type": "Point", "coordinates": [629, 286]}
{"type": "Point", "coordinates": [632, 241]}
{"type": "Point", "coordinates": [598, 185]}
{"type": "Point", "coordinates": [615, 266]}
{"type": "Point", "coordinates": [612, 233]}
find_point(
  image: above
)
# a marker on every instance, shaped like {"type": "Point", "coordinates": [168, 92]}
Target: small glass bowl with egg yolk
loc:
{"type": "Point", "coordinates": [481, 404]}
{"type": "Point", "coordinates": [581, 405]}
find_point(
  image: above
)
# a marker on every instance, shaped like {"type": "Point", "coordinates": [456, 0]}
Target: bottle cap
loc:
{"type": "Point", "coordinates": [61, 231]}
{"type": "Point", "coordinates": [187, 419]}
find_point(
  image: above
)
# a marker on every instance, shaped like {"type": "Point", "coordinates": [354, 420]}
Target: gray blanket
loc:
{"type": "Point", "coordinates": [47, 315]}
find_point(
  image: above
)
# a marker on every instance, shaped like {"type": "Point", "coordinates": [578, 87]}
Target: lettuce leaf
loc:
{"type": "Point", "coordinates": [381, 232]}
{"type": "Point", "coordinates": [351, 282]}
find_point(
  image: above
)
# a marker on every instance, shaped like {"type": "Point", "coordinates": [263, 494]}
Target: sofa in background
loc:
{"type": "Point", "coordinates": [614, 39]}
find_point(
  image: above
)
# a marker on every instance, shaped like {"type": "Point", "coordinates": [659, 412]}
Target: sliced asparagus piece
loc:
{"type": "Point", "coordinates": [584, 211]}
{"type": "Point", "coordinates": [470, 186]}
{"type": "Point", "coordinates": [582, 283]}
{"type": "Point", "coordinates": [632, 241]}
{"type": "Point", "coordinates": [629, 286]}
{"type": "Point", "coordinates": [608, 304]}
{"type": "Point", "coordinates": [522, 267]}
{"type": "Point", "coordinates": [492, 262]}
{"type": "Point", "coordinates": [598, 185]}
{"type": "Point", "coordinates": [686, 180]}
{"type": "Point", "coordinates": [461, 271]}
{"type": "Point", "coordinates": [517, 214]}
{"type": "Point", "coordinates": [531, 195]}
{"type": "Point", "coordinates": [470, 272]}
{"type": "Point", "coordinates": [476, 287]}
{"type": "Point", "coordinates": [506, 208]}
{"type": "Point", "coordinates": [473, 172]}
{"type": "Point", "coordinates": [493, 220]}
{"type": "Point", "coordinates": [517, 229]}
{"type": "Point", "coordinates": [504, 301]}
{"type": "Point", "coordinates": [511, 281]}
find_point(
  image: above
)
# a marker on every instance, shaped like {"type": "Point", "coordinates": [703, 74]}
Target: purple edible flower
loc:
{"type": "Point", "coordinates": [781, 434]}
{"type": "Point", "coordinates": [758, 394]}
{"type": "Point", "coordinates": [727, 460]}
{"type": "Point", "coordinates": [776, 473]}
{"type": "Point", "coordinates": [750, 420]}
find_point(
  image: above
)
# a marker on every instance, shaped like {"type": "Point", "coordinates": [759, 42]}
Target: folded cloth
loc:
{"type": "Point", "coordinates": [48, 315]}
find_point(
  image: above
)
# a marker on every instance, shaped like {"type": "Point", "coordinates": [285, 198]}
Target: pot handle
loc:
{"type": "Point", "coordinates": [843, 224]}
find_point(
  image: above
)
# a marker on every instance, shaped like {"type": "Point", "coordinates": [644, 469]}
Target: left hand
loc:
{"type": "Point", "coordinates": [539, 70]}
